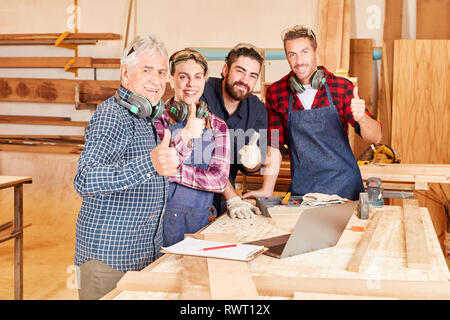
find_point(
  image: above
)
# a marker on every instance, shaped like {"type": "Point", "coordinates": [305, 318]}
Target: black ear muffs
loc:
{"type": "Point", "coordinates": [141, 107]}
{"type": "Point", "coordinates": [317, 81]}
{"type": "Point", "coordinates": [202, 110]}
{"type": "Point", "coordinates": [179, 110]}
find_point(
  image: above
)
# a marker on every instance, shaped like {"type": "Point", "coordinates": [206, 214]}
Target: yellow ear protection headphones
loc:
{"type": "Point", "coordinates": [141, 107]}
{"type": "Point", "coordinates": [179, 110]}
{"type": "Point", "coordinates": [318, 80]}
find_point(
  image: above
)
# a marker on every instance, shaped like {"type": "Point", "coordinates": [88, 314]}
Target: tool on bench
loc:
{"type": "Point", "coordinates": [378, 153]}
{"type": "Point", "coordinates": [363, 206]}
{"type": "Point", "coordinates": [263, 203]}
{"type": "Point", "coordinates": [286, 198]}
{"type": "Point", "coordinates": [375, 191]}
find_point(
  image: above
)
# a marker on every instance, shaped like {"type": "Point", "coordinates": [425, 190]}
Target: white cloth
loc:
{"type": "Point", "coordinates": [321, 199]}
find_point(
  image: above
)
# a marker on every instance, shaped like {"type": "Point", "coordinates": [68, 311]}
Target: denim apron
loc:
{"type": "Point", "coordinates": [320, 154]}
{"type": "Point", "coordinates": [187, 209]}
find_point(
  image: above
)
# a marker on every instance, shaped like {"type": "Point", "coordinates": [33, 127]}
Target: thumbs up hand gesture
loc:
{"type": "Point", "coordinates": [194, 127]}
{"type": "Point", "coordinates": [358, 106]}
{"type": "Point", "coordinates": [250, 153]}
{"type": "Point", "coordinates": [165, 158]}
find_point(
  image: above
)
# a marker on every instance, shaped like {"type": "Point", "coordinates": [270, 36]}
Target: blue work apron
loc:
{"type": "Point", "coordinates": [187, 209]}
{"type": "Point", "coordinates": [320, 154]}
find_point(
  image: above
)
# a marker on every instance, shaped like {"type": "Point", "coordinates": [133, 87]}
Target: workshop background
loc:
{"type": "Point", "coordinates": [415, 118]}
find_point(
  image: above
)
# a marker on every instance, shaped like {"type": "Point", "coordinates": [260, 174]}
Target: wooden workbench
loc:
{"type": "Point", "coordinates": [385, 260]}
{"type": "Point", "coordinates": [16, 230]}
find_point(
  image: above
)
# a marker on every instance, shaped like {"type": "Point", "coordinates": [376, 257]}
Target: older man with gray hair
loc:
{"type": "Point", "coordinates": [121, 174]}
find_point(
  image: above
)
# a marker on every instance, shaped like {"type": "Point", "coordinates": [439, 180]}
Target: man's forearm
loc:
{"type": "Point", "coordinates": [370, 129]}
{"type": "Point", "coordinates": [271, 169]}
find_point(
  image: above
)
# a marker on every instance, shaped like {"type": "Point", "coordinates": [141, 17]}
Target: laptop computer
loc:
{"type": "Point", "coordinates": [316, 228]}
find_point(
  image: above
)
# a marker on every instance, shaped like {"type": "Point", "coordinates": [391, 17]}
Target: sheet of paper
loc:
{"type": "Point", "coordinates": [191, 246]}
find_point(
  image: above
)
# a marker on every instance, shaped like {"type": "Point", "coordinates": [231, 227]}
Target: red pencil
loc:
{"type": "Point", "coordinates": [220, 247]}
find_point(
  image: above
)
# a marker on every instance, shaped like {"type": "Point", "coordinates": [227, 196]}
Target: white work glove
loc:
{"type": "Point", "coordinates": [241, 209]}
{"type": "Point", "coordinates": [319, 199]}
{"type": "Point", "coordinates": [250, 153]}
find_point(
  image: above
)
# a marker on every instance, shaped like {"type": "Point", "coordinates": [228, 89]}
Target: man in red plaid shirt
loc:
{"type": "Point", "coordinates": [309, 110]}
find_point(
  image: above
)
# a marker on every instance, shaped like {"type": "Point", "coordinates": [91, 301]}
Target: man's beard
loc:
{"type": "Point", "coordinates": [236, 94]}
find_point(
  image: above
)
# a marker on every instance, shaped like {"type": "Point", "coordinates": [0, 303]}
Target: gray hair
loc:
{"type": "Point", "coordinates": [141, 44]}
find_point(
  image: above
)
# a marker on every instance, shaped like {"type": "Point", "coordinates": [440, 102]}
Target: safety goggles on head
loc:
{"type": "Point", "coordinates": [299, 30]}
{"type": "Point", "coordinates": [185, 55]}
{"type": "Point", "coordinates": [247, 46]}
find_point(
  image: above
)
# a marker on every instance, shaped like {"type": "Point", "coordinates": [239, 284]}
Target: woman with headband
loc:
{"type": "Point", "coordinates": [204, 149]}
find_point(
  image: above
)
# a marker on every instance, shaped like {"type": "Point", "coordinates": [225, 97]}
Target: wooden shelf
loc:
{"type": "Point", "coordinates": [90, 92]}
{"type": "Point", "coordinates": [56, 90]}
{"type": "Point", "coordinates": [59, 62]}
{"type": "Point", "coordinates": [42, 143]}
{"type": "Point", "coordinates": [41, 120]}
{"type": "Point", "coordinates": [50, 38]}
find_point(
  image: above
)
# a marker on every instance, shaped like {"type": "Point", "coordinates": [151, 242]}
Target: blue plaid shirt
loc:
{"type": "Point", "coordinates": [120, 221]}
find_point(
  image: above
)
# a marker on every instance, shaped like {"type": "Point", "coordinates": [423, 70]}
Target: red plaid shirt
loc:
{"type": "Point", "coordinates": [277, 104]}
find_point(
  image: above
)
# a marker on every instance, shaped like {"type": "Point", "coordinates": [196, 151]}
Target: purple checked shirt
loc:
{"type": "Point", "coordinates": [215, 178]}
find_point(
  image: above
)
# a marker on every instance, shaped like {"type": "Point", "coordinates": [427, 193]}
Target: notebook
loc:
{"type": "Point", "coordinates": [225, 250]}
{"type": "Point", "coordinates": [316, 228]}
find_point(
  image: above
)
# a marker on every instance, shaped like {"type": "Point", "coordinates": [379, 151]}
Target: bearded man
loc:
{"type": "Point", "coordinates": [231, 99]}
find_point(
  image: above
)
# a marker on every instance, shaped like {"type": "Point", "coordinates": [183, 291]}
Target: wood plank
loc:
{"type": "Point", "coordinates": [287, 286]}
{"type": "Point", "coordinates": [51, 36]}
{"type": "Point", "coordinates": [385, 100]}
{"type": "Point", "coordinates": [56, 90]}
{"type": "Point", "coordinates": [42, 143]}
{"type": "Point", "coordinates": [41, 148]}
{"type": "Point", "coordinates": [334, 33]}
{"type": "Point", "coordinates": [105, 63]}
{"type": "Point", "coordinates": [37, 118]}
{"type": "Point", "coordinates": [225, 274]}
{"type": "Point", "coordinates": [410, 202]}
{"type": "Point", "coordinates": [61, 90]}
{"type": "Point", "coordinates": [9, 119]}
{"type": "Point", "coordinates": [420, 134]}
{"type": "Point", "coordinates": [195, 276]}
{"type": "Point", "coordinates": [154, 281]}
{"type": "Point", "coordinates": [195, 279]}
{"type": "Point", "coordinates": [329, 296]}
{"type": "Point", "coordinates": [361, 250]}
{"type": "Point", "coordinates": [361, 66]}
{"type": "Point", "coordinates": [58, 62]}
{"type": "Point", "coordinates": [43, 42]}
{"type": "Point", "coordinates": [393, 15]}
{"type": "Point", "coordinates": [432, 19]}
{"type": "Point", "coordinates": [346, 28]}
{"type": "Point", "coordinates": [43, 138]}
{"type": "Point", "coordinates": [54, 36]}
{"type": "Point", "coordinates": [10, 181]}
{"type": "Point", "coordinates": [418, 255]}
